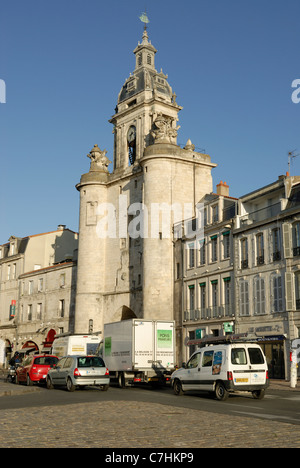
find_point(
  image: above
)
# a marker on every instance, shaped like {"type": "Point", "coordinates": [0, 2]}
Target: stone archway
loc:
{"type": "Point", "coordinates": [124, 313]}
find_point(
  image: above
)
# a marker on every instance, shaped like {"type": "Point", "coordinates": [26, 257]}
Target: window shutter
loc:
{"type": "Point", "coordinates": [287, 240]}
{"type": "Point", "coordinates": [289, 291]}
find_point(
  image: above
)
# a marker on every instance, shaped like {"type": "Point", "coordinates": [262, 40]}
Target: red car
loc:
{"type": "Point", "coordinates": [35, 368]}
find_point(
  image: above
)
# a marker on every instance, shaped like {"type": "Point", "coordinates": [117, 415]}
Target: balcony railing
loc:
{"type": "Point", "coordinates": [262, 214]}
{"type": "Point", "coordinates": [209, 313]}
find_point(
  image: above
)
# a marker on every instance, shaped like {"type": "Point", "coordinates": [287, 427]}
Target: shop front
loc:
{"type": "Point", "coordinates": [273, 348]}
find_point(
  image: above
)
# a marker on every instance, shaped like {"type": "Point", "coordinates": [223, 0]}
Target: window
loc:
{"type": "Point", "coordinates": [260, 249]}
{"type": "Point", "coordinates": [214, 248]}
{"type": "Point", "coordinates": [62, 280]}
{"type": "Point", "coordinates": [259, 296]}
{"type": "Point", "coordinates": [227, 295]}
{"type": "Point", "coordinates": [276, 244]}
{"type": "Point", "coordinates": [226, 244]}
{"type": "Point", "coordinates": [62, 308]}
{"type": "Point", "coordinates": [207, 359]}
{"type": "Point", "coordinates": [296, 239]}
{"type": "Point", "coordinates": [192, 297]}
{"type": "Point", "coordinates": [177, 270]}
{"type": "Point", "coordinates": [215, 294]}
{"type": "Point", "coordinates": [40, 284]}
{"type": "Point", "coordinates": [202, 252]}
{"type": "Point", "coordinates": [256, 356]}
{"type": "Point", "coordinates": [191, 253]}
{"type": "Point", "coordinates": [215, 213]}
{"type": "Point", "coordinates": [39, 311]}
{"type": "Point", "coordinates": [149, 60]}
{"type": "Point", "coordinates": [90, 361]}
{"type": "Point", "coordinates": [67, 363]}
{"type": "Point", "coordinates": [139, 57]}
{"type": "Point", "coordinates": [276, 285]}
{"type": "Point", "coordinates": [30, 287]}
{"type": "Point", "coordinates": [238, 356]}
{"type": "Point", "coordinates": [29, 312]}
{"type": "Point", "coordinates": [244, 253]}
{"type": "Point", "coordinates": [244, 298]}
{"type": "Point", "coordinates": [46, 361]}
{"type": "Point", "coordinates": [297, 290]}
{"type": "Point", "coordinates": [194, 361]}
{"type": "Point", "coordinates": [203, 296]}
{"type": "Point", "coordinates": [14, 270]}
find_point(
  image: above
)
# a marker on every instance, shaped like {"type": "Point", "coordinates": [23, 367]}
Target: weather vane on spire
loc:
{"type": "Point", "coordinates": [144, 19]}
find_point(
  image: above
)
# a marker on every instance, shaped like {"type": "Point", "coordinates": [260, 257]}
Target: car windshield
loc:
{"type": "Point", "coordinates": [90, 361]}
{"type": "Point", "coordinates": [45, 361]}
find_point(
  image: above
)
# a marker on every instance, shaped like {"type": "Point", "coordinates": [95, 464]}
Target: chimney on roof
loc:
{"type": "Point", "coordinates": [223, 189]}
{"type": "Point", "coordinates": [61, 227]}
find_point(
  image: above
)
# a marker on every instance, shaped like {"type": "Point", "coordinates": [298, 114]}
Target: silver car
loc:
{"type": "Point", "coordinates": [77, 371]}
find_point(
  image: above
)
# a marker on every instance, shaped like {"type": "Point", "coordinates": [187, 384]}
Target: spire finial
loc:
{"type": "Point", "coordinates": [144, 19]}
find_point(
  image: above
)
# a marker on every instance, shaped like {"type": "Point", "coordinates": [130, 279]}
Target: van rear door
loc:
{"type": "Point", "coordinates": [258, 366]}
{"type": "Point", "coordinates": [240, 365]}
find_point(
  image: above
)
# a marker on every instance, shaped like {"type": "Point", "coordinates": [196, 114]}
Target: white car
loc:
{"type": "Point", "coordinates": [223, 369]}
{"type": "Point", "coordinates": [77, 371]}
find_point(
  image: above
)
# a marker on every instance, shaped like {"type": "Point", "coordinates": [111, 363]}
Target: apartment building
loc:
{"type": "Point", "coordinates": [34, 270]}
{"type": "Point", "coordinates": [267, 266]}
{"type": "Point", "coordinates": [204, 273]}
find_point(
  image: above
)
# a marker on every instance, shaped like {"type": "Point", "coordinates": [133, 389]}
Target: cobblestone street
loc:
{"type": "Point", "coordinates": [123, 424]}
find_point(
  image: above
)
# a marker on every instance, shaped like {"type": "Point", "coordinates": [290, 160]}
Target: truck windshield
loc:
{"type": "Point", "coordinates": [90, 361]}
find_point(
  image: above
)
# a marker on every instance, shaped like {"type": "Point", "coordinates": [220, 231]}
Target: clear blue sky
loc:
{"type": "Point", "coordinates": [231, 64]}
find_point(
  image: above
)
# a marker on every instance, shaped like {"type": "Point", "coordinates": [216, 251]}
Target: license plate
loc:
{"type": "Point", "coordinates": [241, 380]}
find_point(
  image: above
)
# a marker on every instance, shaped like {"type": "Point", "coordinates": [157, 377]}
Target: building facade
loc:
{"type": "Point", "coordinates": [204, 274]}
{"type": "Point", "coordinates": [125, 257]}
{"type": "Point", "coordinates": [37, 289]}
{"type": "Point", "coordinates": [267, 265]}
{"type": "Point", "coordinates": [243, 277]}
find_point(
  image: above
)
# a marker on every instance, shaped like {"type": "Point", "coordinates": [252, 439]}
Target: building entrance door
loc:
{"type": "Point", "coordinates": [275, 359]}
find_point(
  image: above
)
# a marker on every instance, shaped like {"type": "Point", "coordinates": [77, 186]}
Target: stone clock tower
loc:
{"type": "Point", "coordinates": [125, 272]}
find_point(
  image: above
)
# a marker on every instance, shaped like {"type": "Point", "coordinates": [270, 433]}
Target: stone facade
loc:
{"type": "Point", "coordinates": [127, 270]}
{"type": "Point", "coordinates": [37, 277]}
{"type": "Point", "coordinates": [244, 277]}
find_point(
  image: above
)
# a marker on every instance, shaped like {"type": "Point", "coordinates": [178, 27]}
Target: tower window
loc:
{"type": "Point", "coordinates": [149, 59]}
{"type": "Point", "coordinates": [131, 139]}
{"type": "Point", "coordinates": [139, 59]}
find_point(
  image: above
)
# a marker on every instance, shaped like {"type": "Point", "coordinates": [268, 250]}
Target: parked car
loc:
{"type": "Point", "coordinates": [224, 369]}
{"type": "Point", "coordinates": [34, 368]}
{"type": "Point", "coordinates": [79, 371]}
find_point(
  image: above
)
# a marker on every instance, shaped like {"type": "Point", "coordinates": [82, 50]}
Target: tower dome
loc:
{"type": "Point", "coordinates": [145, 77]}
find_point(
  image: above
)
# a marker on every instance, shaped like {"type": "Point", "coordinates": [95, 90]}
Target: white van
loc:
{"type": "Point", "coordinates": [70, 345]}
{"type": "Point", "coordinates": [223, 369]}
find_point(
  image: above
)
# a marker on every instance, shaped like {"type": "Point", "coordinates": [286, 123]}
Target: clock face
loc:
{"type": "Point", "coordinates": [131, 134]}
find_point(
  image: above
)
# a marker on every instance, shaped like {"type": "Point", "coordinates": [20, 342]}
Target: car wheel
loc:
{"type": "Point", "coordinates": [258, 394]}
{"type": "Point", "coordinates": [49, 383]}
{"type": "Point", "coordinates": [70, 386]}
{"type": "Point", "coordinates": [178, 388]}
{"type": "Point", "coordinates": [29, 381]}
{"type": "Point", "coordinates": [221, 392]}
{"type": "Point", "coordinates": [104, 388]}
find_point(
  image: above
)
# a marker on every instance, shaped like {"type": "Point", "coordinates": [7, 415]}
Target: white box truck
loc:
{"type": "Point", "coordinates": [139, 350]}
{"type": "Point", "coordinates": [72, 345]}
